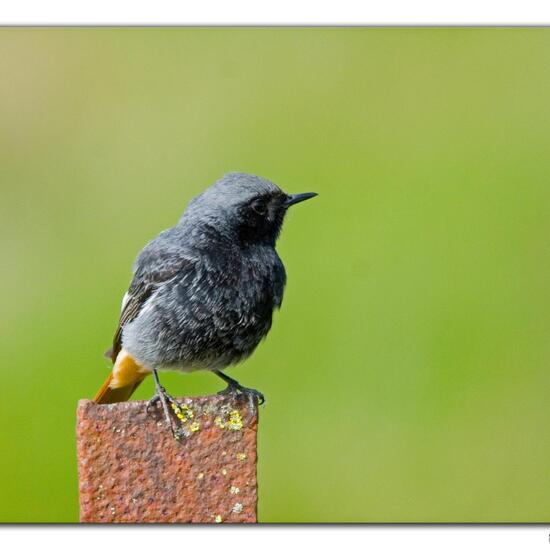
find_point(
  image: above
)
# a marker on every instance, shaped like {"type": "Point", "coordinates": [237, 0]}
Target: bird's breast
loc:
{"type": "Point", "coordinates": [213, 316]}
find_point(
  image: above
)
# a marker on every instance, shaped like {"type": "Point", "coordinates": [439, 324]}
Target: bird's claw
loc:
{"type": "Point", "coordinates": [160, 396]}
{"type": "Point", "coordinates": [168, 404]}
{"type": "Point", "coordinates": [151, 403]}
{"type": "Point", "coordinates": [242, 391]}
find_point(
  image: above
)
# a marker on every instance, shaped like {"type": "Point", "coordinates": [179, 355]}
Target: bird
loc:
{"type": "Point", "coordinates": [204, 291]}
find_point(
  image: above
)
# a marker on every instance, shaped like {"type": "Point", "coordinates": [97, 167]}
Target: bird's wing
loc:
{"type": "Point", "coordinates": [134, 301]}
{"type": "Point", "coordinates": [153, 269]}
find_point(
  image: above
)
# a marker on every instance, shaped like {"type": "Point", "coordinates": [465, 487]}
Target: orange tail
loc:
{"type": "Point", "coordinates": [122, 382]}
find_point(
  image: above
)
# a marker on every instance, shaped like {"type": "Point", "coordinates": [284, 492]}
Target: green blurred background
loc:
{"type": "Point", "coordinates": [407, 374]}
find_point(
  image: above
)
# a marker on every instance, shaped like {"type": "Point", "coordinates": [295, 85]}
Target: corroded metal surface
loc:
{"type": "Point", "coordinates": [132, 470]}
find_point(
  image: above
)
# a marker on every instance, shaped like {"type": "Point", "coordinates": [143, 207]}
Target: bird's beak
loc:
{"type": "Point", "coordinates": [299, 197]}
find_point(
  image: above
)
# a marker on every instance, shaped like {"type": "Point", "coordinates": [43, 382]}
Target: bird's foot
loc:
{"type": "Point", "coordinates": [162, 397]}
{"type": "Point", "coordinates": [234, 388]}
{"type": "Point", "coordinates": [168, 403]}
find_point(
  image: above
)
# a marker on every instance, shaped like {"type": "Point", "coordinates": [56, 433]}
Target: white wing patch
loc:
{"type": "Point", "coordinates": [124, 301]}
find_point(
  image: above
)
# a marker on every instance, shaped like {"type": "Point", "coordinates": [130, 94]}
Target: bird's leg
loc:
{"type": "Point", "coordinates": [234, 387]}
{"type": "Point", "coordinates": [167, 402]}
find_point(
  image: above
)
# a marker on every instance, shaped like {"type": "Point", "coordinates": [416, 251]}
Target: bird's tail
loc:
{"type": "Point", "coordinates": [122, 382]}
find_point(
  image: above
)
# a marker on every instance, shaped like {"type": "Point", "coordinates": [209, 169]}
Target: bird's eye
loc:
{"type": "Point", "coordinates": [259, 207]}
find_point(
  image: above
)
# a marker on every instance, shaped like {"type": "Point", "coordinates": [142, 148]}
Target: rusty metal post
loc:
{"type": "Point", "coordinates": [131, 469]}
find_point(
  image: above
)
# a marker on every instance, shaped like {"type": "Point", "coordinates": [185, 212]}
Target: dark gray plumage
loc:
{"type": "Point", "coordinates": [204, 291]}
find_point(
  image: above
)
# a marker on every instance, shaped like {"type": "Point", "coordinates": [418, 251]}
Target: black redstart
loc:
{"type": "Point", "coordinates": [204, 291]}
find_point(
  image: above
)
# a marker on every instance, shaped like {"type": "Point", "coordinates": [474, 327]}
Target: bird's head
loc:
{"type": "Point", "coordinates": [245, 206]}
